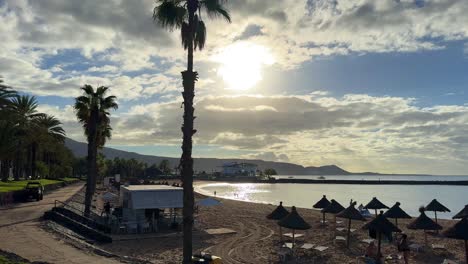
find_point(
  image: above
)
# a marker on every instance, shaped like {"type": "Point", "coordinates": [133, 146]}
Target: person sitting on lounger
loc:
{"type": "Point", "coordinates": [371, 256]}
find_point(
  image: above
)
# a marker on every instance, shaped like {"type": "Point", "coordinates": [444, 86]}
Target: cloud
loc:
{"type": "Point", "coordinates": [359, 132]}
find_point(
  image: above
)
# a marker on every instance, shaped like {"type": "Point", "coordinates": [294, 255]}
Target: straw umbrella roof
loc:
{"type": "Point", "coordinates": [462, 214]}
{"type": "Point", "coordinates": [375, 204]}
{"type": "Point", "coordinates": [322, 203]}
{"type": "Point", "coordinates": [435, 206]}
{"type": "Point", "coordinates": [294, 221]}
{"type": "Point", "coordinates": [279, 213]}
{"type": "Point", "coordinates": [396, 212]}
{"type": "Point", "coordinates": [459, 230]}
{"type": "Point", "coordinates": [351, 213]}
{"type": "Point", "coordinates": [333, 208]}
{"type": "Point", "coordinates": [381, 224]}
{"type": "Point", "coordinates": [424, 223]}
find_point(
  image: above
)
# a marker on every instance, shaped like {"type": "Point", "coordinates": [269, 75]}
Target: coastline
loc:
{"type": "Point", "coordinates": [256, 239]}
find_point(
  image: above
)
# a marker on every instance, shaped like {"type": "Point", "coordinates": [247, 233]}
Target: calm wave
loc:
{"type": "Point", "coordinates": [411, 197]}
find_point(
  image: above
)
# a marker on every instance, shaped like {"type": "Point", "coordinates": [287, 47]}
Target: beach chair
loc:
{"type": "Point", "coordinates": [340, 240]}
{"type": "Point", "coordinates": [320, 248]}
{"type": "Point", "coordinates": [448, 261]}
{"type": "Point", "coordinates": [416, 247]}
{"type": "Point", "coordinates": [438, 247]}
{"type": "Point", "coordinates": [368, 241]}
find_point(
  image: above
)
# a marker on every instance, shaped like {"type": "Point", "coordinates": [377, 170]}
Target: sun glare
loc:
{"type": "Point", "coordinates": [242, 63]}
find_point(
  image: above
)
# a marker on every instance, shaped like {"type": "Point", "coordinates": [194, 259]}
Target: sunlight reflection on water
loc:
{"type": "Point", "coordinates": [411, 197]}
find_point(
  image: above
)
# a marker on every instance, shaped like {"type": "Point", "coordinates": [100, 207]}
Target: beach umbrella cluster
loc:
{"type": "Point", "coordinates": [380, 225]}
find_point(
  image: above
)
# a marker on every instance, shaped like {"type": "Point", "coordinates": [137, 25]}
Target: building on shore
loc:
{"type": "Point", "coordinates": [242, 169]}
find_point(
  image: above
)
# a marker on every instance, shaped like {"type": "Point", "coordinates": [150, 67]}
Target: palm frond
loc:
{"type": "Point", "coordinates": [215, 9]}
{"type": "Point", "coordinates": [200, 36]}
{"type": "Point", "coordinates": [170, 14]}
{"type": "Point", "coordinates": [185, 34]}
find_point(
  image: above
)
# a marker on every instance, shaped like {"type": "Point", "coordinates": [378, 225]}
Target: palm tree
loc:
{"type": "Point", "coordinates": [47, 129]}
{"type": "Point", "coordinates": [186, 16]}
{"type": "Point", "coordinates": [24, 113]}
{"type": "Point", "coordinates": [92, 111]}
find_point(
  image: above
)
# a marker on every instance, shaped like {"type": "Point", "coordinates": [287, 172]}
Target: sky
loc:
{"type": "Point", "coordinates": [366, 85]}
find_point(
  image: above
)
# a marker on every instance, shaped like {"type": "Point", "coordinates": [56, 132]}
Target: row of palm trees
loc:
{"type": "Point", "coordinates": [31, 143]}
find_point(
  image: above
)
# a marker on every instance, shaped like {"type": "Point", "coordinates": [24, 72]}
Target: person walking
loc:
{"type": "Point", "coordinates": [404, 247]}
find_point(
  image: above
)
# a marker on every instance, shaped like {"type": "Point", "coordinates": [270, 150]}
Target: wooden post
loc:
{"type": "Point", "coordinates": [435, 213]}
{"type": "Point", "coordinates": [466, 250]}
{"type": "Point", "coordinates": [375, 212]}
{"type": "Point", "coordinates": [379, 237]}
{"type": "Point", "coordinates": [396, 222]}
{"type": "Point", "coordinates": [349, 232]}
{"type": "Point", "coordinates": [323, 221]}
{"type": "Point", "coordinates": [294, 239]}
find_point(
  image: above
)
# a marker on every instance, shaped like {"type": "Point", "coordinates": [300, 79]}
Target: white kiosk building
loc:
{"type": "Point", "coordinates": [147, 208]}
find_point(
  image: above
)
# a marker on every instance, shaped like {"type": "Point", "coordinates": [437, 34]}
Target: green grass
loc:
{"type": "Point", "coordinates": [67, 179]}
{"type": "Point", "coordinates": [19, 185]}
{"type": "Point", "coordinates": [5, 260]}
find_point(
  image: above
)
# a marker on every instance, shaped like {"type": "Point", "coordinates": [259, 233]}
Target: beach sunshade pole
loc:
{"type": "Point", "coordinates": [349, 232]}
{"type": "Point", "coordinates": [323, 221]}
{"type": "Point", "coordinates": [294, 237]}
{"type": "Point", "coordinates": [396, 222]}
{"type": "Point", "coordinates": [379, 237]}
{"type": "Point", "coordinates": [466, 250]}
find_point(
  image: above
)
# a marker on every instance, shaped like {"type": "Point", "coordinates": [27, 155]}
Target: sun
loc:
{"type": "Point", "coordinates": [242, 63]}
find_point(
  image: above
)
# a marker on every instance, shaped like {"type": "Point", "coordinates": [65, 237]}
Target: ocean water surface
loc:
{"type": "Point", "coordinates": [411, 197]}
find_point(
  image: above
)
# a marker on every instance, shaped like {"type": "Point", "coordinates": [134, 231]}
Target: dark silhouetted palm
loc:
{"type": "Point", "coordinates": [186, 16]}
{"type": "Point", "coordinates": [92, 111]}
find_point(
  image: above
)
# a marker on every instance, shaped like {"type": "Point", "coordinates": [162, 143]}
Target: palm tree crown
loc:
{"type": "Point", "coordinates": [95, 102]}
{"type": "Point", "coordinates": [174, 14]}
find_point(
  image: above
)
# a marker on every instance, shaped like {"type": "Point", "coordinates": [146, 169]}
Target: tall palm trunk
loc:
{"type": "Point", "coordinates": [5, 169]}
{"type": "Point", "coordinates": [33, 160]}
{"type": "Point", "coordinates": [92, 160]}
{"type": "Point", "coordinates": [186, 161]}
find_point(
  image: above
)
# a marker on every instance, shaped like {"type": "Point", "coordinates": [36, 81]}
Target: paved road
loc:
{"type": "Point", "coordinates": [20, 233]}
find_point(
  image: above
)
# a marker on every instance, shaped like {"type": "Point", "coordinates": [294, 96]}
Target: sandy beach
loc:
{"type": "Point", "coordinates": [256, 239]}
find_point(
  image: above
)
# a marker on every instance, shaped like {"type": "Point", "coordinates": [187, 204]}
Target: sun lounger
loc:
{"type": "Point", "coordinates": [416, 247]}
{"type": "Point", "coordinates": [288, 245]}
{"type": "Point", "coordinates": [321, 248]}
{"type": "Point", "coordinates": [307, 246]}
{"type": "Point", "coordinates": [291, 235]}
{"type": "Point", "coordinates": [340, 229]}
{"type": "Point", "coordinates": [448, 261]}
{"type": "Point", "coordinates": [340, 239]}
{"type": "Point", "coordinates": [368, 241]}
{"type": "Point", "coordinates": [438, 247]}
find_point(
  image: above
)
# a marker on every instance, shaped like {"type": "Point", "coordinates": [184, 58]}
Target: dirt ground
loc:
{"type": "Point", "coordinates": [21, 232]}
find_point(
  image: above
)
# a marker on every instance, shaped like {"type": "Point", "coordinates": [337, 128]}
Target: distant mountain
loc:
{"type": "Point", "coordinates": [79, 149]}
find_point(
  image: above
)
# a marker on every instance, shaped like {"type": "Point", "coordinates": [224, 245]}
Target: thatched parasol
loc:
{"type": "Point", "coordinates": [375, 204]}
{"type": "Point", "coordinates": [459, 231]}
{"type": "Point", "coordinates": [279, 213]}
{"type": "Point", "coordinates": [462, 214]}
{"type": "Point", "coordinates": [397, 213]}
{"type": "Point", "coordinates": [435, 206]}
{"type": "Point", "coordinates": [350, 213]}
{"type": "Point", "coordinates": [424, 223]}
{"type": "Point", "coordinates": [294, 221]}
{"type": "Point", "coordinates": [381, 225]}
{"type": "Point", "coordinates": [334, 208]}
{"type": "Point", "coordinates": [321, 204]}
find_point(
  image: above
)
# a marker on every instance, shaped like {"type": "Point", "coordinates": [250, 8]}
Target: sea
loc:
{"type": "Point", "coordinates": [411, 197]}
